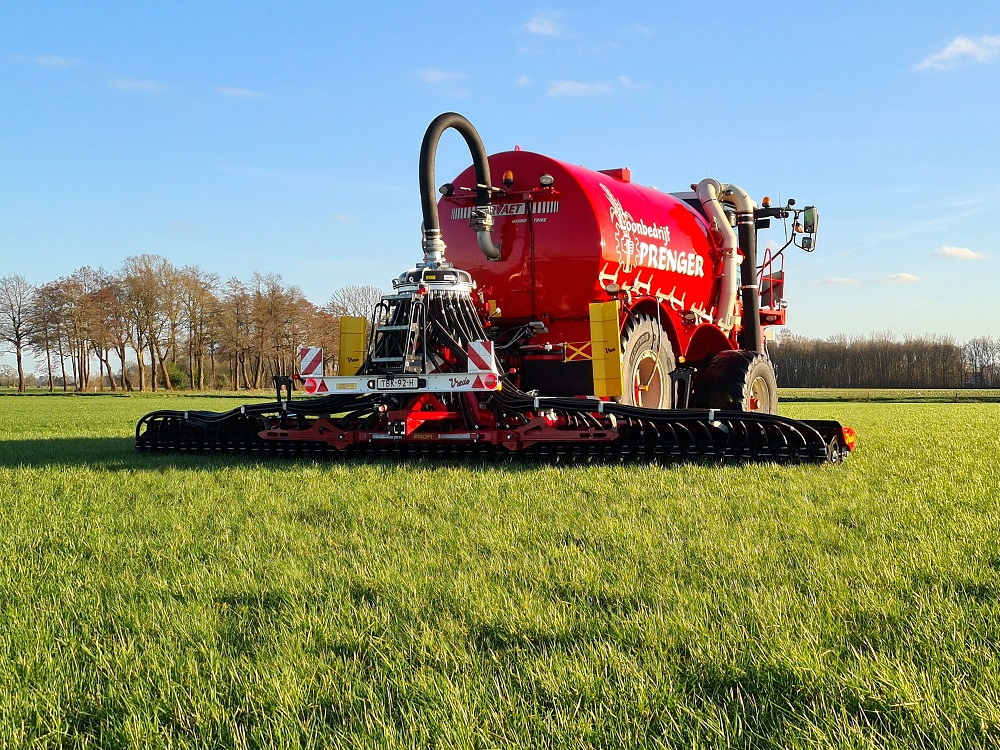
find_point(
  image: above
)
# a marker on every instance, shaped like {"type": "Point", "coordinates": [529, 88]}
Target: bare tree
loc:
{"type": "Point", "coordinates": [198, 304]}
{"type": "Point", "coordinates": [153, 311]}
{"type": "Point", "coordinates": [355, 300]}
{"type": "Point", "coordinates": [48, 330]}
{"type": "Point", "coordinates": [16, 296]}
{"type": "Point", "coordinates": [981, 357]}
{"type": "Point", "coordinates": [235, 330]}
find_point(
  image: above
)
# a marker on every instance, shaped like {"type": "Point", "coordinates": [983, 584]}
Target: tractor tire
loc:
{"type": "Point", "coordinates": [736, 381]}
{"type": "Point", "coordinates": [647, 361]}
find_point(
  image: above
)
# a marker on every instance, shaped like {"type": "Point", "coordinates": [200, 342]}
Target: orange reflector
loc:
{"type": "Point", "coordinates": [310, 386]}
{"type": "Point", "coordinates": [849, 436]}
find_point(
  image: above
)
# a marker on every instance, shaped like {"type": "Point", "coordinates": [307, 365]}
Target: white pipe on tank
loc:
{"type": "Point", "coordinates": [738, 197]}
{"type": "Point", "coordinates": [709, 191]}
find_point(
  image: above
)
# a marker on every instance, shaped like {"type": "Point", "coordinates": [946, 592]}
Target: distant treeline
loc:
{"type": "Point", "coordinates": [150, 325]}
{"type": "Point", "coordinates": [882, 361]}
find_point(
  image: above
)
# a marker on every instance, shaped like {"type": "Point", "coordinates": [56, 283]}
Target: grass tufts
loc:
{"type": "Point", "coordinates": [221, 601]}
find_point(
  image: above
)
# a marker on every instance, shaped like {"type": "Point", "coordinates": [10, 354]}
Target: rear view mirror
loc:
{"type": "Point", "coordinates": [810, 218]}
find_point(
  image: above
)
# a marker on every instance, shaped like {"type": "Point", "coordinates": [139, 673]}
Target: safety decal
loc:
{"type": "Point", "coordinates": [481, 357]}
{"type": "Point", "coordinates": [311, 361]}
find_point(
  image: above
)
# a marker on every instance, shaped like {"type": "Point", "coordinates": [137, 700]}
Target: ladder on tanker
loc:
{"type": "Point", "coordinates": [397, 344]}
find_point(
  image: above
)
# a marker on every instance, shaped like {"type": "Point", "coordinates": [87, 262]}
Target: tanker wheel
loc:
{"type": "Point", "coordinates": [647, 361]}
{"type": "Point", "coordinates": [738, 381]}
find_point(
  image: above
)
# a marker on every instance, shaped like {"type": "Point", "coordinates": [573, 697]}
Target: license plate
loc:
{"type": "Point", "coordinates": [385, 384]}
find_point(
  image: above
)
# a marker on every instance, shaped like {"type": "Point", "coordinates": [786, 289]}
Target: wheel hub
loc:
{"type": "Point", "coordinates": [647, 386]}
{"type": "Point", "coordinates": [758, 395]}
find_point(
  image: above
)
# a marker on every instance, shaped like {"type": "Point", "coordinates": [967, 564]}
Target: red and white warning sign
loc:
{"type": "Point", "coordinates": [481, 357]}
{"type": "Point", "coordinates": [311, 362]}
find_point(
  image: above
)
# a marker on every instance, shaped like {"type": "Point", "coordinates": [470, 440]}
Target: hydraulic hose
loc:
{"type": "Point", "coordinates": [483, 222]}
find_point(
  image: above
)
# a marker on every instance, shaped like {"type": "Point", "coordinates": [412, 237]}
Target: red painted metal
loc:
{"type": "Point", "coordinates": [562, 246]}
{"type": "Point", "coordinates": [771, 281]}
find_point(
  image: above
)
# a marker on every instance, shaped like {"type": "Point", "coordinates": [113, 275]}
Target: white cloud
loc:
{"type": "Point", "coordinates": [961, 253]}
{"type": "Point", "coordinates": [433, 75]}
{"type": "Point", "coordinates": [628, 83]}
{"type": "Point", "coordinates": [130, 85]}
{"type": "Point", "coordinates": [241, 93]}
{"type": "Point", "coordinates": [545, 24]}
{"type": "Point", "coordinates": [523, 81]}
{"type": "Point", "coordinates": [54, 61]}
{"type": "Point", "coordinates": [962, 50]}
{"type": "Point", "coordinates": [578, 88]}
{"type": "Point", "coordinates": [599, 88]}
{"type": "Point", "coordinates": [343, 219]}
{"type": "Point", "coordinates": [901, 278]}
{"type": "Point", "coordinates": [841, 282]}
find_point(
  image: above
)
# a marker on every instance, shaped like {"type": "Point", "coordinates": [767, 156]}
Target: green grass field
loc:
{"type": "Point", "coordinates": [151, 601]}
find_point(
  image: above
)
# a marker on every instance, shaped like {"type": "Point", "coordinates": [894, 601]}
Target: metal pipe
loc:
{"type": "Point", "coordinates": [709, 191]}
{"type": "Point", "coordinates": [749, 338]}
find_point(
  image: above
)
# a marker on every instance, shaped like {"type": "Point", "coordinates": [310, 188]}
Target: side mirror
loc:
{"type": "Point", "coordinates": [810, 219]}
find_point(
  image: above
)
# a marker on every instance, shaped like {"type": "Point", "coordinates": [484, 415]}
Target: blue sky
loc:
{"type": "Point", "coordinates": [283, 137]}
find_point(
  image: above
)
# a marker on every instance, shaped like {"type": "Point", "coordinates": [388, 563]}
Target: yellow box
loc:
{"type": "Point", "coordinates": [353, 343]}
{"type": "Point", "coordinates": [605, 346]}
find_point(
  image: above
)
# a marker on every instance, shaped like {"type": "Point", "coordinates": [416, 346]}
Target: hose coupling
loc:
{"type": "Point", "coordinates": [433, 246]}
{"type": "Point", "coordinates": [481, 218]}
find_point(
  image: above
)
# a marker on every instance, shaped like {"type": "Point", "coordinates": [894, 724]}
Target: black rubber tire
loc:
{"type": "Point", "coordinates": [647, 361]}
{"type": "Point", "coordinates": [736, 380]}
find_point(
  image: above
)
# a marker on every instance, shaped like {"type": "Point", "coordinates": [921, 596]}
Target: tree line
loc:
{"type": "Point", "coordinates": [880, 360]}
{"type": "Point", "coordinates": [150, 325]}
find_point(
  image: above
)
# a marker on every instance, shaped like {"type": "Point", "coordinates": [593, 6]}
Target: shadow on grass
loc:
{"type": "Point", "coordinates": [113, 454]}
{"type": "Point", "coordinates": [120, 454]}
{"type": "Point", "coordinates": [102, 453]}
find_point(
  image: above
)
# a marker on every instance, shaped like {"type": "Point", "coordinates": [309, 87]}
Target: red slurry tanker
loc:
{"type": "Point", "coordinates": [573, 314]}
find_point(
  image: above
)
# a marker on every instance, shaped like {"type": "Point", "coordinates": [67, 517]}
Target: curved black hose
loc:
{"type": "Point", "coordinates": [428, 155]}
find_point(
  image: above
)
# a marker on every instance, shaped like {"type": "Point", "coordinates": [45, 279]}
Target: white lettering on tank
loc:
{"type": "Point", "coordinates": [633, 252]}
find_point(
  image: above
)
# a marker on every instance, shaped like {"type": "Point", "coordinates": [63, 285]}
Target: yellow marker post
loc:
{"type": "Point", "coordinates": [353, 343]}
{"type": "Point", "coordinates": [606, 348]}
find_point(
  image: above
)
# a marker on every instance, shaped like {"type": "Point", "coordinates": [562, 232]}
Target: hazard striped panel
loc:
{"type": "Point", "coordinates": [481, 357]}
{"type": "Point", "coordinates": [352, 343]}
{"type": "Point", "coordinates": [311, 361]}
{"type": "Point", "coordinates": [605, 346]}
